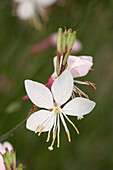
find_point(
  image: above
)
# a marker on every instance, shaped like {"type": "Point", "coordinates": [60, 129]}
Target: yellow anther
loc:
{"type": "Point", "coordinates": [37, 129]}
{"type": "Point", "coordinates": [50, 148]}
{"type": "Point", "coordinates": [58, 143]}
{"type": "Point", "coordinates": [68, 135]}
{"type": "Point", "coordinates": [76, 129]}
{"type": "Point", "coordinates": [41, 131]}
{"type": "Point", "coordinates": [48, 139]}
{"type": "Point", "coordinates": [54, 134]}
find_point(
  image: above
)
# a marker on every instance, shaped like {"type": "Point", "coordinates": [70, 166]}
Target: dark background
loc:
{"type": "Point", "coordinates": [93, 148]}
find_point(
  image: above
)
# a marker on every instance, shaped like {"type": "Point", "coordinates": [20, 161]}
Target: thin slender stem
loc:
{"type": "Point", "coordinates": [17, 127]}
{"type": "Point", "coordinates": [12, 131]}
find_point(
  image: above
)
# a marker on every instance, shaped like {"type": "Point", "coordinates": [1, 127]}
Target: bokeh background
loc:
{"type": "Point", "coordinates": [93, 148]}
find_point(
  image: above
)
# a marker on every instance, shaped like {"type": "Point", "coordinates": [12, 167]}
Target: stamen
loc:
{"type": "Point", "coordinates": [68, 135]}
{"type": "Point", "coordinates": [37, 129]}
{"type": "Point", "coordinates": [50, 148]}
{"type": "Point", "coordinates": [41, 131]}
{"type": "Point", "coordinates": [58, 138]}
{"type": "Point", "coordinates": [80, 91]}
{"type": "Point", "coordinates": [76, 128]}
{"type": "Point", "coordinates": [91, 84]}
{"type": "Point", "coordinates": [54, 134]}
{"type": "Point", "coordinates": [58, 143]}
{"type": "Point", "coordinates": [65, 126]}
{"type": "Point", "coordinates": [71, 123]}
{"type": "Point", "coordinates": [79, 117]}
{"type": "Point", "coordinates": [49, 131]}
{"type": "Point", "coordinates": [48, 139]}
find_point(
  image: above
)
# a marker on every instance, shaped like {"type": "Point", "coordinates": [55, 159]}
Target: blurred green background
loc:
{"type": "Point", "coordinates": [93, 148]}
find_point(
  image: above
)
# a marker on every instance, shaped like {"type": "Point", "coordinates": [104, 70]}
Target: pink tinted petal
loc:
{"type": "Point", "coordinates": [2, 149]}
{"type": "Point", "coordinates": [77, 46]}
{"type": "Point", "coordinates": [8, 146]}
{"type": "Point", "coordinates": [79, 66]}
{"type": "Point", "coordinates": [2, 166]}
{"type": "Point", "coordinates": [54, 75]}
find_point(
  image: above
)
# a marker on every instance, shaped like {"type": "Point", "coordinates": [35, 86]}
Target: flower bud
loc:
{"type": "Point", "coordinates": [71, 40]}
{"type": "Point", "coordinates": [59, 42]}
{"type": "Point", "coordinates": [64, 42]}
{"type": "Point", "coordinates": [10, 160]}
{"type": "Point", "coordinates": [20, 167]}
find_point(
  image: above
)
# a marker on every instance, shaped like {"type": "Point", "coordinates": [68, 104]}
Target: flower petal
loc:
{"type": "Point", "coordinates": [62, 87]}
{"type": "Point", "coordinates": [39, 94]}
{"type": "Point", "coordinates": [45, 3]}
{"type": "Point", "coordinates": [38, 118]}
{"type": "Point", "coordinates": [2, 149]}
{"type": "Point", "coordinates": [2, 166]}
{"type": "Point", "coordinates": [54, 75]}
{"type": "Point", "coordinates": [78, 107]}
{"type": "Point", "coordinates": [79, 66]}
{"type": "Point", "coordinates": [8, 146]}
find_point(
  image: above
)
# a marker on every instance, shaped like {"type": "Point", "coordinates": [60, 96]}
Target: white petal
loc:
{"type": "Point", "coordinates": [25, 10]}
{"type": "Point", "coordinates": [54, 75]}
{"type": "Point", "coordinates": [45, 3]}
{"type": "Point", "coordinates": [38, 118]}
{"type": "Point", "coordinates": [39, 94]}
{"type": "Point", "coordinates": [79, 107]}
{"type": "Point", "coordinates": [62, 87]}
{"type": "Point", "coordinates": [8, 146]}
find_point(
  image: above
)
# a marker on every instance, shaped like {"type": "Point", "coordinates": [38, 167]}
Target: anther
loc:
{"type": "Point", "coordinates": [48, 139]}
{"type": "Point", "coordinates": [50, 148]}
{"type": "Point", "coordinates": [58, 143]}
{"type": "Point", "coordinates": [68, 135]}
{"type": "Point", "coordinates": [76, 129]}
{"type": "Point", "coordinates": [41, 131]}
{"type": "Point", "coordinates": [54, 134]}
{"type": "Point", "coordinates": [37, 129]}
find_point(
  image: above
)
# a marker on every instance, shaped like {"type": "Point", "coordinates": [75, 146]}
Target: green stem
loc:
{"type": "Point", "coordinates": [11, 132]}
{"type": "Point", "coordinates": [20, 125]}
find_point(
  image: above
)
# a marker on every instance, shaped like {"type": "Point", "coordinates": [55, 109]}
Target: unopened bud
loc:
{"type": "Point", "coordinates": [13, 156]}
{"type": "Point", "coordinates": [66, 57]}
{"type": "Point", "coordinates": [20, 167]}
{"type": "Point", "coordinates": [71, 41]}
{"type": "Point", "coordinates": [59, 42]}
{"type": "Point", "coordinates": [6, 162]}
{"type": "Point", "coordinates": [64, 42]}
{"type": "Point", "coordinates": [69, 34]}
{"type": "Point", "coordinates": [10, 160]}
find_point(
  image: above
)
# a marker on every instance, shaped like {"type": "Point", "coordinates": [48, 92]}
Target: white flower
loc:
{"type": "Point", "coordinates": [3, 151]}
{"type": "Point", "coordinates": [26, 10]}
{"type": "Point", "coordinates": [46, 120]}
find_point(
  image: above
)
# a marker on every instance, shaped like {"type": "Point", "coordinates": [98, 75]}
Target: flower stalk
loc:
{"type": "Point", "coordinates": [20, 125]}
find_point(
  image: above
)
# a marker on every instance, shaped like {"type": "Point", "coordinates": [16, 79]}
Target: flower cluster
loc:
{"type": "Point", "coordinates": [8, 157]}
{"type": "Point", "coordinates": [60, 88]}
